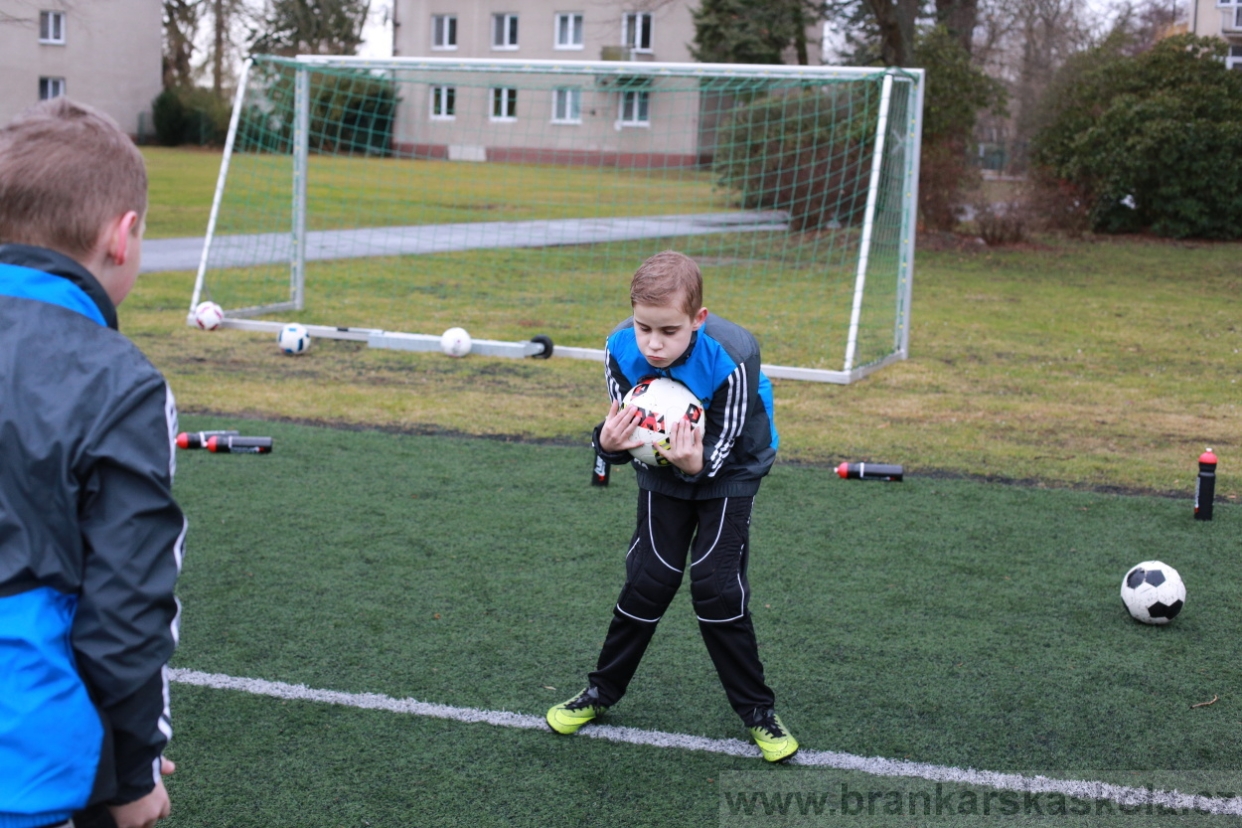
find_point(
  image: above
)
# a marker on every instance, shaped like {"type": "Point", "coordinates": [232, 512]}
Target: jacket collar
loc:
{"type": "Point", "coordinates": [58, 264]}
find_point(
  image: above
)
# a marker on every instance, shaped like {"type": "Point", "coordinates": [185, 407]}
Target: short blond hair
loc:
{"type": "Point", "coordinates": [665, 278]}
{"type": "Point", "coordinates": [66, 170]}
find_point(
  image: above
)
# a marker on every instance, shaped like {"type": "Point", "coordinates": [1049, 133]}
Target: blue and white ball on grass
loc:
{"type": "Point", "coordinates": [1153, 592]}
{"type": "Point", "coordinates": [661, 401]}
{"type": "Point", "coordinates": [293, 339]}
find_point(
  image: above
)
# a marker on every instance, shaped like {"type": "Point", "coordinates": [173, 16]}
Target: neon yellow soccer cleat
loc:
{"type": "Point", "coordinates": [772, 737]}
{"type": "Point", "coordinates": [566, 717]}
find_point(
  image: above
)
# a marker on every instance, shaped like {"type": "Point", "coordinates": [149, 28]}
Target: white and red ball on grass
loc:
{"type": "Point", "coordinates": [455, 342]}
{"type": "Point", "coordinates": [208, 315]}
{"type": "Point", "coordinates": [293, 339]}
{"type": "Point", "coordinates": [1153, 592]}
{"type": "Point", "coordinates": [662, 402]}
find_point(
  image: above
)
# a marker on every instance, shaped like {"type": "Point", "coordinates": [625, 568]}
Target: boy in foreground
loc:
{"type": "Point", "coordinates": [700, 504]}
{"type": "Point", "coordinates": [90, 537]}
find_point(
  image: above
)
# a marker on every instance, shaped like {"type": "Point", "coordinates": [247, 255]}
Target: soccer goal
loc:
{"type": "Point", "coordinates": [386, 200]}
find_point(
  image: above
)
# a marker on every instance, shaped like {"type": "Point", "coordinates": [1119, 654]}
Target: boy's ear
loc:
{"type": "Point", "coordinates": [120, 237]}
{"type": "Point", "coordinates": [699, 319]}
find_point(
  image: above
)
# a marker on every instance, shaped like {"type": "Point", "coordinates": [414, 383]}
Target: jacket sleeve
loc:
{"type": "Point", "coordinates": [731, 406]}
{"type": "Point", "coordinates": [618, 387]}
{"type": "Point", "coordinates": [133, 533]}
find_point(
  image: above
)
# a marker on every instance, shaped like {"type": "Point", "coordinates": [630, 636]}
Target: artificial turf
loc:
{"type": "Point", "coordinates": [945, 621]}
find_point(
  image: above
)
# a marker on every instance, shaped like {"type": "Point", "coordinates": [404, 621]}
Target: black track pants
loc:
{"type": "Point", "coordinates": [716, 533]}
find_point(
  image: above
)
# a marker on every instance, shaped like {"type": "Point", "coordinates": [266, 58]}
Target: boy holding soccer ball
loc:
{"type": "Point", "coordinates": [90, 536]}
{"type": "Point", "coordinates": [695, 512]}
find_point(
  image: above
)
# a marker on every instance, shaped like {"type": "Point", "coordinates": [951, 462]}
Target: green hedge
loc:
{"type": "Point", "coordinates": [1152, 141]}
{"type": "Point", "coordinates": [807, 152]}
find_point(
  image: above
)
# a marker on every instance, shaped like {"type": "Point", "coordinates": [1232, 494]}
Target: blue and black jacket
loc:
{"type": "Point", "coordinates": [90, 547]}
{"type": "Point", "coordinates": [721, 368]}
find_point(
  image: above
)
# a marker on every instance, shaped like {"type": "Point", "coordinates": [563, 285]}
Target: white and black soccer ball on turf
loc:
{"type": "Point", "coordinates": [662, 402]}
{"type": "Point", "coordinates": [208, 315]}
{"type": "Point", "coordinates": [1153, 592]}
{"type": "Point", "coordinates": [455, 342]}
{"type": "Point", "coordinates": [293, 339]}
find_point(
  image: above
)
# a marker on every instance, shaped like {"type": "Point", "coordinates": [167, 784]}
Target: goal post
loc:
{"type": "Point", "coordinates": [386, 200]}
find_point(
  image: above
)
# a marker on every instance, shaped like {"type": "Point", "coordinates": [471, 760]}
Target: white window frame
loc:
{"type": "Point", "coordinates": [571, 96]}
{"type": "Point", "coordinates": [502, 100]}
{"type": "Point", "coordinates": [574, 22]}
{"type": "Point", "coordinates": [635, 28]}
{"type": "Point", "coordinates": [1234, 61]}
{"type": "Point", "coordinates": [50, 88]}
{"type": "Point", "coordinates": [504, 31]}
{"type": "Point", "coordinates": [640, 106]}
{"type": "Point", "coordinates": [443, 98]}
{"type": "Point", "coordinates": [52, 28]}
{"type": "Point", "coordinates": [443, 32]}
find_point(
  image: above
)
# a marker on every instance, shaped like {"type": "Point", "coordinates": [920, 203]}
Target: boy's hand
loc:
{"type": "Point", "coordinates": [618, 431]}
{"type": "Point", "coordinates": [145, 812]}
{"type": "Point", "coordinates": [685, 449]}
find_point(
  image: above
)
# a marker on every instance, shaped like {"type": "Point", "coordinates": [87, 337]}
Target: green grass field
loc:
{"type": "Point", "coordinates": [948, 622]}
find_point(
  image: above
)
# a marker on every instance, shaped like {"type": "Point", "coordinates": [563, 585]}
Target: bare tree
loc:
{"type": "Point", "coordinates": [323, 27]}
{"type": "Point", "coordinates": [181, 19]}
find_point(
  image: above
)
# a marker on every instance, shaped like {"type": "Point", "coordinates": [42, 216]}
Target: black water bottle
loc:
{"type": "Point", "coordinates": [870, 471]}
{"type": "Point", "coordinates": [599, 474]}
{"type": "Point", "coordinates": [1205, 486]}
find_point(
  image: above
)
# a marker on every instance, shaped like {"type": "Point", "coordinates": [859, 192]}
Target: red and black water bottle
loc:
{"type": "Point", "coordinates": [198, 439]}
{"type": "Point", "coordinates": [870, 471]}
{"type": "Point", "coordinates": [232, 444]}
{"type": "Point", "coordinates": [599, 474]}
{"type": "Point", "coordinates": [1205, 486]}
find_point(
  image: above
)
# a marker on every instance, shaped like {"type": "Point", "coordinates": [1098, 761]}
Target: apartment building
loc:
{"type": "Point", "coordinates": [625, 121]}
{"type": "Point", "coordinates": [105, 53]}
{"type": "Point", "coordinates": [1219, 18]}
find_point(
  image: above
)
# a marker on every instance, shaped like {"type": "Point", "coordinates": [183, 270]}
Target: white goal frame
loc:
{"type": "Point", "coordinates": [910, 133]}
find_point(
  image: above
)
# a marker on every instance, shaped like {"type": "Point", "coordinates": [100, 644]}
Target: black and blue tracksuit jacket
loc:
{"type": "Point", "coordinates": [90, 547]}
{"type": "Point", "coordinates": [721, 368]}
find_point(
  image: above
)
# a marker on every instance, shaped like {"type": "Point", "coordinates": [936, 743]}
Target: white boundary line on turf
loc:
{"type": "Point", "coordinates": [878, 766]}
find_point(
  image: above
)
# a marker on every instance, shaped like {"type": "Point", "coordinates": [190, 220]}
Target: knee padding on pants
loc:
{"type": "Point", "coordinates": [649, 587]}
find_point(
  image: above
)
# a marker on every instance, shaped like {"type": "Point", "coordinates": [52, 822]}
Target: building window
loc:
{"type": "Point", "coordinates": [51, 88]}
{"type": "Point", "coordinates": [52, 27]}
{"type": "Point", "coordinates": [637, 32]}
{"type": "Point", "coordinates": [567, 106]}
{"type": "Point", "coordinates": [444, 31]}
{"type": "Point", "coordinates": [1234, 61]}
{"type": "Point", "coordinates": [634, 108]}
{"type": "Point", "coordinates": [504, 31]}
{"type": "Point", "coordinates": [443, 103]}
{"type": "Point", "coordinates": [569, 31]}
{"type": "Point", "coordinates": [504, 103]}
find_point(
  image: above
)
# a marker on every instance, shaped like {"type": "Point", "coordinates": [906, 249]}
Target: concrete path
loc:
{"type": "Point", "coordinates": [273, 248]}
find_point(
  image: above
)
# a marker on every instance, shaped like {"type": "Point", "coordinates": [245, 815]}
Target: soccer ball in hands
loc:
{"type": "Point", "coordinates": [1153, 592]}
{"type": "Point", "coordinates": [208, 315]}
{"type": "Point", "coordinates": [455, 342]}
{"type": "Point", "coordinates": [661, 402]}
{"type": "Point", "coordinates": [293, 339]}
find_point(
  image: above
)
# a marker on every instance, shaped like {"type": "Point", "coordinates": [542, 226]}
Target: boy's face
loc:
{"type": "Point", "coordinates": [664, 331]}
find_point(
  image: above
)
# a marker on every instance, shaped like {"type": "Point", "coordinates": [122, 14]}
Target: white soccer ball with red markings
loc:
{"type": "Point", "coordinates": [1153, 592]}
{"type": "Point", "coordinates": [208, 315]}
{"type": "Point", "coordinates": [455, 342]}
{"type": "Point", "coordinates": [662, 401]}
{"type": "Point", "coordinates": [293, 339]}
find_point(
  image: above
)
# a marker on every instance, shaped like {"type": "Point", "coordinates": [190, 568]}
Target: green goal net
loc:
{"type": "Point", "coordinates": [388, 200]}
